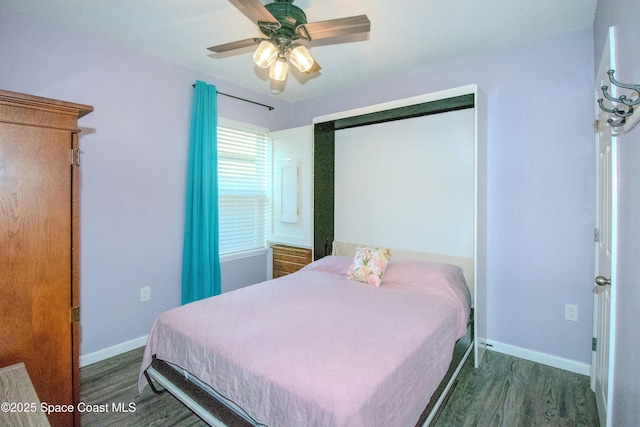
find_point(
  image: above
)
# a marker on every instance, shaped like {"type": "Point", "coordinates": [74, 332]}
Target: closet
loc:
{"type": "Point", "coordinates": [39, 195]}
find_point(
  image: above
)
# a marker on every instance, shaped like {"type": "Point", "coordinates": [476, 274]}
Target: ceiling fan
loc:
{"type": "Point", "coordinates": [283, 26]}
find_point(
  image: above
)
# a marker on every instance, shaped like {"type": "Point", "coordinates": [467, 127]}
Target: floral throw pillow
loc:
{"type": "Point", "coordinates": [369, 265]}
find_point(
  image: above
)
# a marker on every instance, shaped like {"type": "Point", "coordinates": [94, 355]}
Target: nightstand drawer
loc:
{"type": "Point", "coordinates": [289, 259]}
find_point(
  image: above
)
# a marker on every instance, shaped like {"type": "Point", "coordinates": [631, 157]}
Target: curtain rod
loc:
{"type": "Point", "coordinates": [243, 99]}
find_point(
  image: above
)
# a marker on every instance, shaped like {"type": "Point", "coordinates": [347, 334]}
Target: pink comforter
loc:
{"type": "Point", "coordinates": [316, 349]}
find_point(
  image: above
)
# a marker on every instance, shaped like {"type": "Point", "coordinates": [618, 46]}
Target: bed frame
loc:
{"type": "Point", "coordinates": [212, 407]}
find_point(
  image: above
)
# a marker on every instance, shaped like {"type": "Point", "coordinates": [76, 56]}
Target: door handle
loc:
{"type": "Point", "coordinates": [602, 281]}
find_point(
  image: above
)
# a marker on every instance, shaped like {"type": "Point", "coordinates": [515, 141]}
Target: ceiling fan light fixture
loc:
{"type": "Point", "coordinates": [279, 68]}
{"type": "Point", "coordinates": [281, 24]}
{"type": "Point", "coordinates": [265, 54]}
{"type": "Point", "coordinates": [277, 87]}
{"type": "Point", "coordinates": [301, 58]}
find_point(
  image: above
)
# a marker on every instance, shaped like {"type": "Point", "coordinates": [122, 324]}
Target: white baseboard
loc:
{"type": "Point", "coordinates": [542, 358]}
{"type": "Point", "coordinates": [115, 350]}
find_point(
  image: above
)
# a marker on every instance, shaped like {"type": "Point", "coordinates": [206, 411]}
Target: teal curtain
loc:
{"type": "Point", "coordinates": [200, 254]}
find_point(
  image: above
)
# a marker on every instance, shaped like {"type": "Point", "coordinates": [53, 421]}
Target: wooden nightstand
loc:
{"type": "Point", "coordinates": [289, 259]}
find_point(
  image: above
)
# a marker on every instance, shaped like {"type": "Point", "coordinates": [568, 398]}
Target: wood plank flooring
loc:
{"type": "Point", "coordinates": [115, 381]}
{"type": "Point", "coordinates": [505, 391]}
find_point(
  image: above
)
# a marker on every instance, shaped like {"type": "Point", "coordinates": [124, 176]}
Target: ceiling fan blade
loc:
{"type": "Point", "coordinates": [255, 11]}
{"type": "Point", "coordinates": [234, 45]}
{"type": "Point", "coordinates": [334, 27]}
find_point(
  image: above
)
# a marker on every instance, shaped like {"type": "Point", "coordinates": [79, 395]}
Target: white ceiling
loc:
{"type": "Point", "coordinates": [404, 35]}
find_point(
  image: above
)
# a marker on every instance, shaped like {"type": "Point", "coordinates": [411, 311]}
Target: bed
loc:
{"type": "Point", "coordinates": [317, 348]}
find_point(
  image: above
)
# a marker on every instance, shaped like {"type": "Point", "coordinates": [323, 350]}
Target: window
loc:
{"type": "Point", "coordinates": [243, 200]}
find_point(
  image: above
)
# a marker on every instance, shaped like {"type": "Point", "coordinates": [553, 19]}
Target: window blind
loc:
{"type": "Point", "coordinates": [243, 201]}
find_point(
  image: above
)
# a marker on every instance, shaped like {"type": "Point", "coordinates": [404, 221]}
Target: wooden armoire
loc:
{"type": "Point", "coordinates": [39, 271]}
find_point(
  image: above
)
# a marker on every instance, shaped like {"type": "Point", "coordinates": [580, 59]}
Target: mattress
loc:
{"type": "Point", "coordinates": [317, 349]}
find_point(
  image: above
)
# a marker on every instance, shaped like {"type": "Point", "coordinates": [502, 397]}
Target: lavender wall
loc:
{"type": "Point", "coordinates": [540, 183]}
{"type": "Point", "coordinates": [134, 148]}
{"type": "Point", "coordinates": [624, 15]}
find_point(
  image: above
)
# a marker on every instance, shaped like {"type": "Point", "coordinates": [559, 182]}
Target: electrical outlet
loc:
{"type": "Point", "coordinates": [145, 293]}
{"type": "Point", "coordinates": [571, 312]}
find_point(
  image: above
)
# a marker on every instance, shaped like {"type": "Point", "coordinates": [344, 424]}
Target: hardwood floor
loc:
{"type": "Point", "coordinates": [115, 381]}
{"type": "Point", "coordinates": [505, 391]}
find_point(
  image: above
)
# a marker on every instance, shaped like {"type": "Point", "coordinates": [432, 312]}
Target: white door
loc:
{"type": "Point", "coordinates": [606, 233]}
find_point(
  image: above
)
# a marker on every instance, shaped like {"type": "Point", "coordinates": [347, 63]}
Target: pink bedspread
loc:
{"type": "Point", "coordinates": [316, 349]}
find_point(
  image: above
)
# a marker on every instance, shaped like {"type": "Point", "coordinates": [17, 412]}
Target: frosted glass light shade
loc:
{"type": "Point", "coordinates": [265, 54]}
{"type": "Point", "coordinates": [279, 68]}
{"type": "Point", "coordinates": [277, 86]}
{"type": "Point", "coordinates": [301, 58]}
